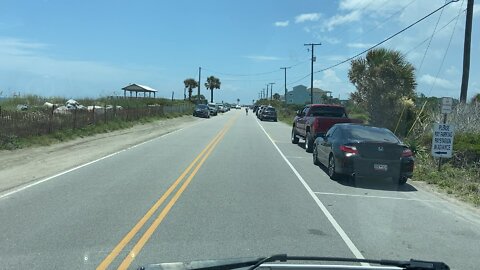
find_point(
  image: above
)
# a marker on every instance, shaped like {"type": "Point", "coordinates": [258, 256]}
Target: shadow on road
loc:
{"type": "Point", "coordinates": [377, 184]}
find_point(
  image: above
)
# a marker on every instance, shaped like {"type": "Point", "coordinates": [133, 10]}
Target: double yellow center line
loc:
{"type": "Point", "coordinates": [199, 160]}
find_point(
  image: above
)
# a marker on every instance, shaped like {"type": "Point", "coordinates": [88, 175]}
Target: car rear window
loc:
{"type": "Point", "coordinates": [270, 109]}
{"type": "Point", "coordinates": [202, 106]}
{"type": "Point", "coordinates": [328, 111]}
{"type": "Point", "coordinates": [369, 134]}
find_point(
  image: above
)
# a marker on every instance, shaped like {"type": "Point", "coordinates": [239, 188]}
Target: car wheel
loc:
{"type": "Point", "coordinates": [315, 155]}
{"type": "Point", "coordinates": [402, 180]}
{"type": "Point", "coordinates": [331, 168]}
{"type": "Point", "coordinates": [294, 137]}
{"type": "Point", "coordinates": [308, 143]}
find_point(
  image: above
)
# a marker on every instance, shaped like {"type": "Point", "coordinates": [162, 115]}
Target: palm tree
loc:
{"type": "Point", "coordinates": [382, 79]}
{"type": "Point", "coordinates": [190, 84]}
{"type": "Point", "coordinates": [212, 83]}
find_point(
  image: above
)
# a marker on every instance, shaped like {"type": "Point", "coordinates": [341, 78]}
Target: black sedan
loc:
{"type": "Point", "coordinates": [359, 151]}
{"type": "Point", "coordinates": [201, 110]}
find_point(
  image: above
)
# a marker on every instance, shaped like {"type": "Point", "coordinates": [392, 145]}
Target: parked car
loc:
{"type": "Point", "coordinates": [221, 108]}
{"type": "Point", "coordinates": [255, 108]}
{"type": "Point", "coordinates": [314, 120]}
{"type": "Point", "coordinates": [269, 113]}
{"type": "Point", "coordinates": [359, 150]}
{"type": "Point", "coordinates": [238, 107]}
{"type": "Point", "coordinates": [201, 110]}
{"type": "Point", "coordinates": [213, 108]}
{"type": "Point", "coordinates": [260, 109]}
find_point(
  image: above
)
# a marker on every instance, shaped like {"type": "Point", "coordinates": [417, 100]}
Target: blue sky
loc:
{"type": "Point", "coordinates": [94, 48]}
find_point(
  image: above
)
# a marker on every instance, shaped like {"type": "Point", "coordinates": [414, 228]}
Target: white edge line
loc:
{"type": "Point", "coordinates": [376, 197]}
{"type": "Point", "coordinates": [325, 211]}
{"type": "Point", "coordinates": [21, 188]}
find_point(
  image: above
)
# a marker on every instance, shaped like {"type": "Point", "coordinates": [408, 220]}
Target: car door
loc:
{"type": "Point", "coordinates": [324, 148]}
{"type": "Point", "coordinates": [301, 121]}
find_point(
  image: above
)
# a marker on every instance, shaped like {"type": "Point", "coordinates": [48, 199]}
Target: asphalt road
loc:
{"type": "Point", "coordinates": [229, 186]}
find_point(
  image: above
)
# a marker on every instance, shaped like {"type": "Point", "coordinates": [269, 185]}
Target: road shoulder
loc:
{"type": "Point", "coordinates": [22, 166]}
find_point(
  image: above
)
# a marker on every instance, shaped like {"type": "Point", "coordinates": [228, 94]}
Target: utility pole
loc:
{"type": "Point", "coordinates": [285, 69]}
{"type": "Point", "coordinates": [311, 72]}
{"type": "Point", "coordinates": [266, 95]}
{"type": "Point", "coordinates": [271, 90]}
{"type": "Point", "coordinates": [199, 84]}
{"type": "Point", "coordinates": [466, 52]}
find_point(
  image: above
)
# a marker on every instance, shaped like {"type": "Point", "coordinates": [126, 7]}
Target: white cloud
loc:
{"type": "Point", "coordinates": [281, 23]}
{"type": "Point", "coordinates": [307, 17]}
{"type": "Point", "coordinates": [263, 58]}
{"type": "Point", "coordinates": [327, 39]}
{"type": "Point", "coordinates": [13, 46]}
{"type": "Point", "coordinates": [26, 67]}
{"type": "Point", "coordinates": [359, 45]}
{"type": "Point", "coordinates": [452, 71]}
{"type": "Point", "coordinates": [337, 20]}
{"type": "Point", "coordinates": [329, 78]}
{"type": "Point", "coordinates": [439, 82]}
{"type": "Point", "coordinates": [380, 6]}
{"type": "Point", "coordinates": [330, 81]}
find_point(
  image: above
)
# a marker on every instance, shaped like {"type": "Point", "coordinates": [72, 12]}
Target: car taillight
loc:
{"type": "Point", "coordinates": [349, 150]}
{"type": "Point", "coordinates": [407, 153]}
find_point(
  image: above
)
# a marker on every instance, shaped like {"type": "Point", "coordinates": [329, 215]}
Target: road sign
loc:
{"type": "Point", "coordinates": [446, 106]}
{"type": "Point", "coordinates": [442, 142]}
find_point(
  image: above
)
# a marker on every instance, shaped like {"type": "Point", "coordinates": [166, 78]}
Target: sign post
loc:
{"type": "Point", "coordinates": [442, 139]}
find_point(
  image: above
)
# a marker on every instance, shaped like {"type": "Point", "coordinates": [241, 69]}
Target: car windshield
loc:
{"type": "Point", "coordinates": [369, 134]}
{"type": "Point", "coordinates": [141, 132]}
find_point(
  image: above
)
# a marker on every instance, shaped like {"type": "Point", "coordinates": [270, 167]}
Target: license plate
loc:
{"type": "Point", "coordinates": [380, 167]}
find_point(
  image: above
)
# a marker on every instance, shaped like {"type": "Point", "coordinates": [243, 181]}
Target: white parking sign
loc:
{"type": "Point", "coordinates": [446, 106]}
{"type": "Point", "coordinates": [442, 142]}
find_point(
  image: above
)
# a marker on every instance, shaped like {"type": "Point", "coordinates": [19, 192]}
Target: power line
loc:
{"type": "Point", "coordinates": [446, 50]}
{"type": "Point", "coordinates": [376, 26]}
{"type": "Point", "coordinates": [425, 40]}
{"type": "Point", "coordinates": [430, 41]}
{"type": "Point", "coordinates": [296, 81]}
{"type": "Point", "coordinates": [242, 75]}
{"type": "Point", "coordinates": [387, 39]}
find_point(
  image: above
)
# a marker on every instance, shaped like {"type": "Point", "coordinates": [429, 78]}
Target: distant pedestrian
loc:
{"type": "Point", "coordinates": [246, 110]}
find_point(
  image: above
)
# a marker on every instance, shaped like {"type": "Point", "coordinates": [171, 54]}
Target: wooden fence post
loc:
{"type": "Point", "coordinates": [50, 126]}
{"type": "Point", "coordinates": [93, 115]}
{"type": "Point", "coordinates": [75, 118]}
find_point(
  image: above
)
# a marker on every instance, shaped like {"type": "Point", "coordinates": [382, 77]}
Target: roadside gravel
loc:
{"type": "Point", "coordinates": [25, 165]}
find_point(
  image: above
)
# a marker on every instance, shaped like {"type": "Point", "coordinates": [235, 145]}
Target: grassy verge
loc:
{"type": "Point", "coordinates": [461, 182]}
{"type": "Point", "coordinates": [12, 143]}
